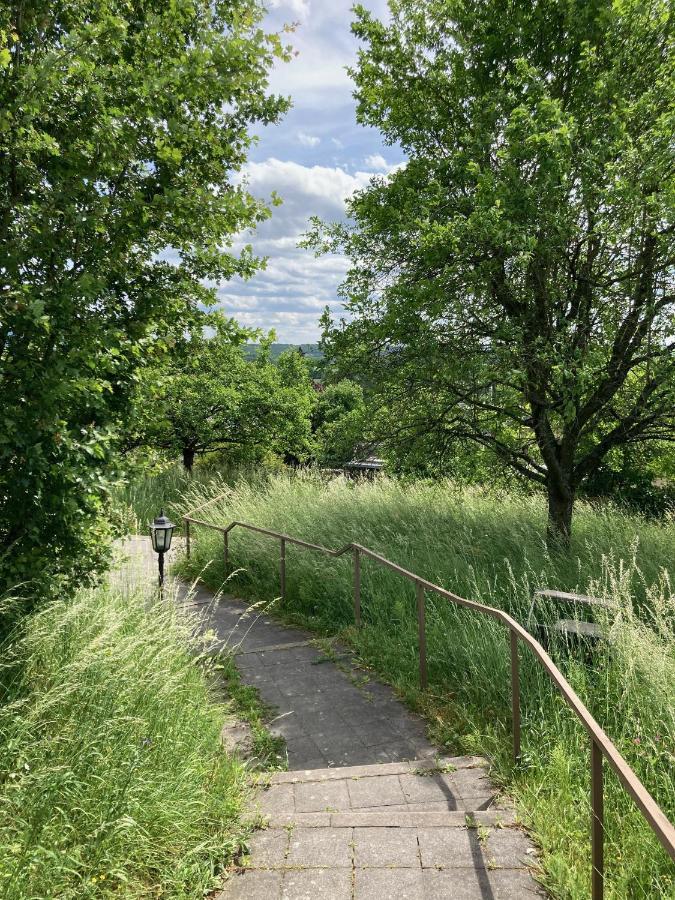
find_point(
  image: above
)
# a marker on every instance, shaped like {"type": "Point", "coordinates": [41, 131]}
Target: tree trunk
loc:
{"type": "Point", "coordinates": [559, 528]}
{"type": "Point", "coordinates": [188, 459]}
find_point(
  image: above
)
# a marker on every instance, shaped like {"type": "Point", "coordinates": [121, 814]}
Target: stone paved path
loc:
{"type": "Point", "coordinates": [367, 810]}
{"type": "Point", "coordinates": [329, 715]}
{"type": "Point", "coordinates": [404, 831]}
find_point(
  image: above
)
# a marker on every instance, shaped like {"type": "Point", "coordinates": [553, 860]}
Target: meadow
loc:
{"type": "Point", "coordinates": [489, 546]}
{"type": "Point", "coordinates": [114, 780]}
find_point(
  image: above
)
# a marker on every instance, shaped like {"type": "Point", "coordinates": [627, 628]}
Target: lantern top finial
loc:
{"type": "Point", "coordinates": [161, 521]}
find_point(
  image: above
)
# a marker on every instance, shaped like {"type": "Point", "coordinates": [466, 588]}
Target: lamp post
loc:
{"type": "Point", "coordinates": [161, 532]}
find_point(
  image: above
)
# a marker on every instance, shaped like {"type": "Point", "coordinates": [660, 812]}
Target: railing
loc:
{"type": "Point", "coordinates": [601, 745]}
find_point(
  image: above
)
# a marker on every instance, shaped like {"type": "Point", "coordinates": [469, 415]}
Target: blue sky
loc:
{"type": "Point", "coordinates": [314, 159]}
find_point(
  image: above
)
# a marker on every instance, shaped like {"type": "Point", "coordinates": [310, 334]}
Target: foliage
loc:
{"type": "Point", "coordinates": [139, 496]}
{"type": "Point", "coordinates": [115, 783]}
{"type": "Point", "coordinates": [210, 398]}
{"type": "Point", "coordinates": [636, 478]}
{"type": "Point", "coordinates": [311, 353]}
{"type": "Point", "coordinates": [512, 284]}
{"type": "Point", "coordinates": [339, 422]}
{"type": "Point", "coordinates": [488, 546]}
{"type": "Point", "coordinates": [122, 126]}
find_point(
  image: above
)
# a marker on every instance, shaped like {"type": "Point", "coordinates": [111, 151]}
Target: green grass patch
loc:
{"type": "Point", "coordinates": [488, 546]}
{"type": "Point", "coordinates": [114, 781]}
{"type": "Point", "coordinates": [141, 495]}
{"type": "Point", "coordinates": [268, 751]}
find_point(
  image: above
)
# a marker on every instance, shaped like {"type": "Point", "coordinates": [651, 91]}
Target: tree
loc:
{"type": "Point", "coordinates": [513, 284]}
{"type": "Point", "coordinates": [211, 398]}
{"type": "Point", "coordinates": [339, 422]}
{"type": "Point", "coordinates": [122, 126]}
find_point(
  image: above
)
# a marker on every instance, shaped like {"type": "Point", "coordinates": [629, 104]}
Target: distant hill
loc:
{"type": "Point", "coordinates": [311, 351]}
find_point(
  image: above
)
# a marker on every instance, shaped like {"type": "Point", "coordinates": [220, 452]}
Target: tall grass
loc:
{"type": "Point", "coordinates": [139, 497]}
{"type": "Point", "coordinates": [114, 781]}
{"type": "Point", "coordinates": [489, 547]}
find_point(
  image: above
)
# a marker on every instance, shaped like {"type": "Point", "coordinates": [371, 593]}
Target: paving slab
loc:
{"type": "Point", "coordinates": [469, 884]}
{"type": "Point", "coordinates": [388, 884]}
{"type": "Point", "coordinates": [403, 767]}
{"type": "Point", "coordinates": [509, 848]}
{"type": "Point", "coordinates": [268, 848]}
{"type": "Point", "coordinates": [319, 796]}
{"type": "Point", "coordinates": [373, 792]}
{"type": "Point", "coordinates": [442, 848]}
{"type": "Point", "coordinates": [320, 848]}
{"type": "Point", "coordinates": [317, 884]}
{"type": "Point", "coordinates": [386, 847]}
{"type": "Point", "coordinates": [258, 885]}
{"type": "Point", "coordinates": [431, 789]}
{"type": "Point", "coordinates": [404, 819]}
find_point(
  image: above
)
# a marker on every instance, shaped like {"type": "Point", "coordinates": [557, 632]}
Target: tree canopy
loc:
{"type": "Point", "coordinates": [338, 422]}
{"type": "Point", "coordinates": [209, 397]}
{"type": "Point", "coordinates": [123, 124]}
{"type": "Point", "coordinates": [512, 285]}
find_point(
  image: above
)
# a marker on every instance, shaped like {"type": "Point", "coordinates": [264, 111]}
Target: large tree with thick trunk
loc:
{"type": "Point", "coordinates": [513, 284]}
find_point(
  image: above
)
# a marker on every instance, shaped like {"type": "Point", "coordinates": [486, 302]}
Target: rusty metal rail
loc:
{"type": "Point", "coordinates": [600, 744]}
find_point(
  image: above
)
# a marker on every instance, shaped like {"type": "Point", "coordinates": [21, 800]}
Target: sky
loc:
{"type": "Point", "coordinates": [314, 159]}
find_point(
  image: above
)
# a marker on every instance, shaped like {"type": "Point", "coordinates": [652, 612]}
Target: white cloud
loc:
{"type": "Point", "coordinates": [296, 7]}
{"type": "Point", "coordinates": [378, 162]}
{"type": "Point", "coordinates": [290, 294]}
{"type": "Point", "coordinates": [324, 46]}
{"type": "Point", "coordinates": [308, 140]}
{"type": "Point", "coordinates": [307, 190]}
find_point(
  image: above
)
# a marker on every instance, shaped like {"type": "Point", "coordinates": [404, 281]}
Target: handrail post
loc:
{"type": "Point", "coordinates": [357, 587]}
{"type": "Point", "coordinates": [282, 568]}
{"type": "Point", "coordinates": [226, 552]}
{"type": "Point", "coordinates": [597, 824]}
{"type": "Point", "coordinates": [187, 537]}
{"type": "Point", "coordinates": [422, 635]}
{"type": "Point", "coordinates": [515, 696]}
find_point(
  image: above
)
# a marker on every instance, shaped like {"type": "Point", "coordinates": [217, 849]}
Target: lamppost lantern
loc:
{"type": "Point", "coordinates": [161, 532]}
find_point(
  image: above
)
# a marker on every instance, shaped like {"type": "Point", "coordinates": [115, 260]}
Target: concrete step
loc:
{"type": "Point", "coordinates": [398, 818]}
{"type": "Point", "coordinates": [452, 792]}
{"type": "Point", "coordinates": [422, 767]}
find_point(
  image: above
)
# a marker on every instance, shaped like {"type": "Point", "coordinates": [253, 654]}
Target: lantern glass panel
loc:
{"type": "Point", "coordinates": [161, 532]}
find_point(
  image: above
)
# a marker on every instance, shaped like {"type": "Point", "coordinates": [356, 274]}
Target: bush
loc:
{"type": "Point", "coordinates": [489, 547]}
{"type": "Point", "coordinates": [114, 780]}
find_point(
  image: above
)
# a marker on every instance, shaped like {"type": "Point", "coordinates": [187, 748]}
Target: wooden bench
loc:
{"type": "Point", "coordinates": [575, 629]}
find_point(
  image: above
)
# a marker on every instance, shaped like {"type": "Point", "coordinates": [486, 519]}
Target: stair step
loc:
{"type": "Point", "coordinates": [420, 766]}
{"type": "Point", "coordinates": [387, 819]}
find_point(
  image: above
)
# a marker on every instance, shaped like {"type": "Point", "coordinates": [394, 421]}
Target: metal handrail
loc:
{"type": "Point", "coordinates": [601, 745]}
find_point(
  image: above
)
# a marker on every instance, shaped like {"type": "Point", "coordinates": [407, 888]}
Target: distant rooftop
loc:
{"type": "Point", "coordinates": [370, 463]}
